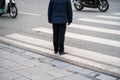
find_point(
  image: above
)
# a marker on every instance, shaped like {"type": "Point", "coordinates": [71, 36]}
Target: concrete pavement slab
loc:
{"type": "Point", "coordinates": [2, 70]}
{"type": "Point", "coordinates": [18, 59]}
{"type": "Point", "coordinates": [9, 76]}
{"type": "Point", "coordinates": [23, 79]}
{"type": "Point", "coordinates": [74, 77]}
{"type": "Point", "coordinates": [10, 48]}
{"type": "Point", "coordinates": [86, 71]}
{"type": "Point", "coordinates": [42, 77]}
{"type": "Point", "coordinates": [56, 72]}
{"type": "Point", "coordinates": [105, 77]}
{"type": "Point", "coordinates": [46, 60]}
{"type": "Point", "coordinates": [60, 64]}
{"type": "Point", "coordinates": [36, 56]}
{"type": "Point", "coordinates": [73, 68]}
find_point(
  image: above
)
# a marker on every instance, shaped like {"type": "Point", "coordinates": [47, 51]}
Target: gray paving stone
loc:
{"type": "Point", "coordinates": [47, 60]}
{"type": "Point", "coordinates": [14, 67]}
{"type": "Point", "coordinates": [59, 64]}
{"type": "Point", "coordinates": [53, 70]}
{"type": "Point", "coordinates": [28, 72]}
{"type": "Point", "coordinates": [27, 56]}
{"type": "Point", "coordinates": [10, 64]}
{"type": "Point", "coordinates": [105, 77]}
{"type": "Point", "coordinates": [35, 55]}
{"type": "Point", "coordinates": [86, 71]}
{"type": "Point", "coordinates": [9, 76]}
{"type": "Point", "coordinates": [9, 48]}
{"type": "Point", "coordinates": [23, 78]}
{"type": "Point", "coordinates": [1, 50]}
{"type": "Point", "coordinates": [3, 45]}
{"type": "Point", "coordinates": [34, 74]}
{"type": "Point", "coordinates": [94, 74]}
{"type": "Point", "coordinates": [2, 70]}
{"type": "Point", "coordinates": [74, 77]}
{"type": "Point", "coordinates": [19, 59]}
{"type": "Point", "coordinates": [4, 62]}
{"type": "Point", "coordinates": [42, 76]}
{"type": "Point", "coordinates": [73, 68]}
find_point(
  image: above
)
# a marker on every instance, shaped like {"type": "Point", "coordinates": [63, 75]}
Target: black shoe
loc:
{"type": "Point", "coordinates": [55, 52]}
{"type": "Point", "coordinates": [62, 53]}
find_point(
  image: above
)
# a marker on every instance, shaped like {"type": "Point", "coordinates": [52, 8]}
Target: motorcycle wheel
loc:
{"type": "Point", "coordinates": [13, 11]}
{"type": "Point", "coordinates": [78, 7]}
{"type": "Point", "coordinates": [104, 6]}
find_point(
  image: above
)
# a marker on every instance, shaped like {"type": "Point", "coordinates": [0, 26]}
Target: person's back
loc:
{"type": "Point", "coordinates": [59, 14]}
{"type": "Point", "coordinates": [61, 11]}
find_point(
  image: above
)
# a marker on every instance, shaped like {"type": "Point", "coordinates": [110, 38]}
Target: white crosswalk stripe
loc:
{"type": "Point", "coordinates": [100, 21]}
{"type": "Point", "coordinates": [103, 30]}
{"type": "Point", "coordinates": [32, 14]}
{"type": "Point", "coordinates": [109, 17]}
{"type": "Point", "coordinates": [84, 37]}
{"type": "Point", "coordinates": [116, 13]}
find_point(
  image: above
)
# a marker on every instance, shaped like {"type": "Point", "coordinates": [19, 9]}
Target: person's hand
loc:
{"type": "Point", "coordinates": [68, 23]}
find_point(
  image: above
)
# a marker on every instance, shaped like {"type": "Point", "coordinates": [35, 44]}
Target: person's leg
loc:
{"type": "Point", "coordinates": [62, 30]}
{"type": "Point", "coordinates": [55, 37]}
{"type": "Point", "coordinates": [2, 4]}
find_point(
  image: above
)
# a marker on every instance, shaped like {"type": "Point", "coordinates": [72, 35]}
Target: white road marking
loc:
{"type": "Point", "coordinates": [74, 51]}
{"type": "Point", "coordinates": [109, 17]}
{"type": "Point", "coordinates": [32, 14]}
{"type": "Point", "coordinates": [20, 2]}
{"type": "Point", "coordinates": [116, 13]}
{"type": "Point", "coordinates": [100, 21]}
{"type": "Point", "coordinates": [103, 30]}
{"type": "Point", "coordinates": [84, 37]}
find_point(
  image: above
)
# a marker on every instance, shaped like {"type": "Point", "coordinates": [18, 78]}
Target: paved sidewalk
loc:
{"type": "Point", "coordinates": [18, 64]}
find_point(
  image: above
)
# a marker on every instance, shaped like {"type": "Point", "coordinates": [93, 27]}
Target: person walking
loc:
{"type": "Point", "coordinates": [59, 15]}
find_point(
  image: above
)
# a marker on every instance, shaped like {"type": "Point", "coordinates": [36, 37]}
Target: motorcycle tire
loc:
{"type": "Point", "coordinates": [104, 6]}
{"type": "Point", "coordinates": [78, 7]}
{"type": "Point", "coordinates": [13, 11]}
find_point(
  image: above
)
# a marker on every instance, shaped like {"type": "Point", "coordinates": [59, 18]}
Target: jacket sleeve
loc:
{"type": "Point", "coordinates": [50, 11]}
{"type": "Point", "coordinates": [69, 11]}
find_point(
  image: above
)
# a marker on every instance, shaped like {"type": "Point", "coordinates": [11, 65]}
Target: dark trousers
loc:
{"type": "Point", "coordinates": [2, 3]}
{"type": "Point", "coordinates": [59, 37]}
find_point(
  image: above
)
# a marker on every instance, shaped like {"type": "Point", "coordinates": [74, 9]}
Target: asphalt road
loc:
{"type": "Point", "coordinates": [33, 14]}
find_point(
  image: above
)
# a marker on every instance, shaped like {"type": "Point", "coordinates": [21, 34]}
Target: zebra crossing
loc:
{"type": "Point", "coordinates": [84, 37]}
{"type": "Point", "coordinates": [83, 57]}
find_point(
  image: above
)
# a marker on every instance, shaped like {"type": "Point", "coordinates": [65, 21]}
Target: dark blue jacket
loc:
{"type": "Point", "coordinates": [60, 11]}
